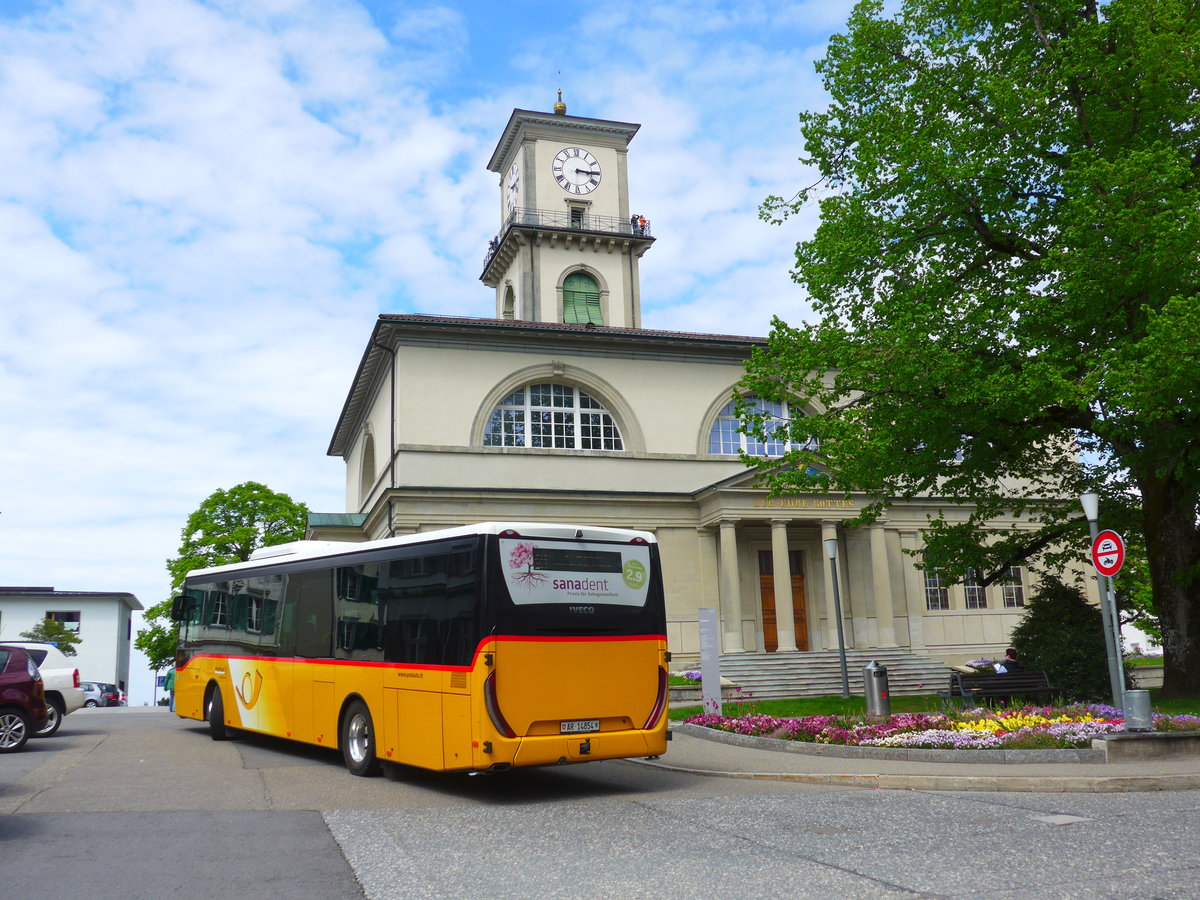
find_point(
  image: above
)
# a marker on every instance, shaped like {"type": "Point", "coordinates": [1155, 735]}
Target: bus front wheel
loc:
{"type": "Point", "coordinates": [216, 716]}
{"type": "Point", "coordinates": [358, 740]}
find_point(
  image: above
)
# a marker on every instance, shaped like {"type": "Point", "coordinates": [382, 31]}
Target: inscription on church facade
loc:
{"type": "Point", "coordinates": [803, 503]}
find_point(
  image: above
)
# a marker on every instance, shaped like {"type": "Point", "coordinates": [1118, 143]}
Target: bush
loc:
{"type": "Point", "coordinates": [1064, 635]}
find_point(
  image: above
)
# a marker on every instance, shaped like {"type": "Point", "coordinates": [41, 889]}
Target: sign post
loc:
{"type": "Point", "coordinates": [1108, 555]}
{"type": "Point", "coordinates": [710, 661]}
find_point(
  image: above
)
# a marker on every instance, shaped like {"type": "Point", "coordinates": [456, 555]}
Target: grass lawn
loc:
{"type": "Point", "coordinates": [800, 707]}
{"type": "Point", "coordinates": [1143, 662]}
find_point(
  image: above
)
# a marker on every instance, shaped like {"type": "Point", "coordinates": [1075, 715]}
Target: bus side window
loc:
{"type": "Point", "coordinates": [357, 613]}
{"type": "Point", "coordinates": [429, 609]}
{"type": "Point", "coordinates": [311, 597]}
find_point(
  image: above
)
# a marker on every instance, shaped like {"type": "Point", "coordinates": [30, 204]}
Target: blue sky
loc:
{"type": "Point", "coordinates": [205, 205]}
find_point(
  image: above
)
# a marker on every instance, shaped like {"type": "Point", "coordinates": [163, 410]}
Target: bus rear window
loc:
{"type": "Point", "coordinates": [539, 572]}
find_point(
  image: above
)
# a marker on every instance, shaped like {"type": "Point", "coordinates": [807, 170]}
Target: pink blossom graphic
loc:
{"type": "Point", "coordinates": [522, 558]}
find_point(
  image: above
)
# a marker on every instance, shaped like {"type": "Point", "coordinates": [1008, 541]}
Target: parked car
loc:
{"type": "Point", "coordinates": [22, 698]}
{"type": "Point", "coordinates": [63, 692]}
{"type": "Point", "coordinates": [110, 696]}
{"type": "Point", "coordinates": [91, 693]}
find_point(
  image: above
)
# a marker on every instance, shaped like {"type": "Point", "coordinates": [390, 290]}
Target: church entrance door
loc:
{"type": "Point", "coordinates": [766, 582]}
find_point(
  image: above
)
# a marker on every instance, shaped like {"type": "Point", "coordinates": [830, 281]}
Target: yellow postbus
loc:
{"type": "Point", "coordinates": [473, 649]}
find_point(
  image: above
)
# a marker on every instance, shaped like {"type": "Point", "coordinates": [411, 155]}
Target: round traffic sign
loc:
{"type": "Point", "coordinates": [1108, 553]}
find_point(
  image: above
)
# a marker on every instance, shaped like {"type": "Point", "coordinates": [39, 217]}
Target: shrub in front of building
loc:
{"type": "Point", "coordinates": [1063, 635]}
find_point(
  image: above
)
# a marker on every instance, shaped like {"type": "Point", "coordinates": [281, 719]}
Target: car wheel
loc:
{"type": "Point", "coordinates": [54, 717]}
{"type": "Point", "coordinates": [216, 716]}
{"type": "Point", "coordinates": [14, 730]}
{"type": "Point", "coordinates": [89, 703]}
{"type": "Point", "coordinates": [358, 740]}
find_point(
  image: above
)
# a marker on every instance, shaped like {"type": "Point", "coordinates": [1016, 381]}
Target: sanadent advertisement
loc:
{"type": "Point", "coordinates": [552, 572]}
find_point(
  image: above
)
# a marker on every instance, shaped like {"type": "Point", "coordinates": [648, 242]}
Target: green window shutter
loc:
{"type": "Point", "coordinates": [581, 300]}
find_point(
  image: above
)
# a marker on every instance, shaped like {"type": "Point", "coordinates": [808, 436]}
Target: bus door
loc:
{"type": "Point", "coordinates": [312, 715]}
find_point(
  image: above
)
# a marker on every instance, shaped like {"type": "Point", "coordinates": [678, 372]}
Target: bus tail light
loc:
{"type": "Point", "coordinates": [660, 703]}
{"type": "Point", "coordinates": [493, 708]}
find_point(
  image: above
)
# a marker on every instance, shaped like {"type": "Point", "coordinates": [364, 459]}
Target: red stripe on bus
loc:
{"type": "Point", "coordinates": [430, 667]}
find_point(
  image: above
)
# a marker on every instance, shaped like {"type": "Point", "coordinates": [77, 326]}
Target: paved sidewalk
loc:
{"type": "Point", "coordinates": [706, 752]}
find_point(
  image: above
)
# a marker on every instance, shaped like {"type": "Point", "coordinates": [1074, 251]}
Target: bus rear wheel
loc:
{"type": "Point", "coordinates": [358, 740]}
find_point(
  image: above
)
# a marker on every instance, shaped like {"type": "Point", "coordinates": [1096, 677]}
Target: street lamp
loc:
{"type": "Point", "coordinates": [831, 551]}
{"type": "Point", "coordinates": [1108, 607]}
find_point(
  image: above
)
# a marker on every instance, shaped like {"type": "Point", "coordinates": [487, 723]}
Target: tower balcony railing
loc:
{"type": "Point", "coordinates": [574, 220]}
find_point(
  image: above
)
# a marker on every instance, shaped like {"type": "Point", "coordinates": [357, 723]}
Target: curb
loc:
{"type": "Point", "coordinates": [1048, 784]}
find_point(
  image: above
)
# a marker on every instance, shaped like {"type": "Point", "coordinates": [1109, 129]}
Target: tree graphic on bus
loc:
{"type": "Point", "coordinates": [520, 559]}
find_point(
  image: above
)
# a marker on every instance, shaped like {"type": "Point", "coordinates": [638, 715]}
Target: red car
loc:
{"type": "Point", "coordinates": [22, 698]}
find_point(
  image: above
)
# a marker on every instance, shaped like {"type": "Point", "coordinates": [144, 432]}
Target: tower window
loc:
{"type": "Point", "coordinates": [581, 300]}
{"type": "Point", "coordinates": [552, 417]}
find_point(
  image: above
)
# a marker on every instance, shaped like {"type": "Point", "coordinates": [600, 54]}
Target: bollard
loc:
{"type": "Point", "coordinates": [1137, 711]}
{"type": "Point", "coordinates": [875, 686]}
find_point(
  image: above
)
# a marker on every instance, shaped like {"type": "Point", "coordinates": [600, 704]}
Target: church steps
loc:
{"type": "Point", "coordinates": [767, 676]}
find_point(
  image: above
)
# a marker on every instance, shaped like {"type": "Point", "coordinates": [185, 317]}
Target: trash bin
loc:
{"type": "Point", "coordinates": [875, 685]}
{"type": "Point", "coordinates": [1137, 711]}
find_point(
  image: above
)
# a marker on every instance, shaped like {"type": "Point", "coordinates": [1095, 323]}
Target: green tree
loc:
{"type": "Point", "coordinates": [228, 527]}
{"type": "Point", "coordinates": [51, 631]}
{"type": "Point", "coordinates": [1063, 635]}
{"type": "Point", "coordinates": [1006, 275]}
{"type": "Point", "coordinates": [157, 639]}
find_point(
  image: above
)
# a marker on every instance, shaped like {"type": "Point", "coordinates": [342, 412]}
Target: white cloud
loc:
{"type": "Point", "coordinates": [208, 204]}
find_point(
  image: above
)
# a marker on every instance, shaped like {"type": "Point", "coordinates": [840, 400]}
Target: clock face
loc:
{"type": "Point", "coordinates": [576, 170]}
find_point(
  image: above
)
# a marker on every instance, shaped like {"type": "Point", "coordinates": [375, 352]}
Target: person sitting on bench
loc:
{"type": "Point", "coordinates": [1010, 663]}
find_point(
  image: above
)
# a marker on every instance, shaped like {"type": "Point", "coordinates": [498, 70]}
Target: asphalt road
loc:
{"type": "Point", "coordinates": [135, 803]}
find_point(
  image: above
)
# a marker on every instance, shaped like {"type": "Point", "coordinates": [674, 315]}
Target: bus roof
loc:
{"type": "Point", "coordinates": [305, 550]}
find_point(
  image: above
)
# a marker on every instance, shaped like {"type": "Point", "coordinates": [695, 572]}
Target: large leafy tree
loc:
{"type": "Point", "coordinates": [227, 528]}
{"type": "Point", "coordinates": [1006, 275]}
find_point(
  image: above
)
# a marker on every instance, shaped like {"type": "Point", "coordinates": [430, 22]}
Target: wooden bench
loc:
{"type": "Point", "coordinates": [981, 687]}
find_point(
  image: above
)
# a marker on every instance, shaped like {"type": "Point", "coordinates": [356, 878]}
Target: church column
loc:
{"type": "Point", "coordinates": [785, 615]}
{"type": "Point", "coordinates": [914, 588]}
{"type": "Point", "coordinates": [731, 589]}
{"type": "Point", "coordinates": [881, 582]}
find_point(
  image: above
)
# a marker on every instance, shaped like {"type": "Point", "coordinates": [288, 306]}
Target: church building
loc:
{"type": "Point", "coordinates": [563, 408]}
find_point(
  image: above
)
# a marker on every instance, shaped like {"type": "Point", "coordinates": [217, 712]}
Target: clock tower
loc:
{"type": "Point", "coordinates": [569, 242]}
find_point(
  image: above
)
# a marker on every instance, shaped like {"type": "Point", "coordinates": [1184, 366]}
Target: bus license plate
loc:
{"type": "Point", "coordinates": [579, 726]}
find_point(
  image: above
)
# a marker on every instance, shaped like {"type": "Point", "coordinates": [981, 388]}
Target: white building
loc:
{"type": "Point", "coordinates": [562, 408]}
{"type": "Point", "coordinates": [103, 621]}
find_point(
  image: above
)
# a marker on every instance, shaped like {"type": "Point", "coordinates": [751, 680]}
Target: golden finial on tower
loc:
{"type": "Point", "coordinates": [560, 108]}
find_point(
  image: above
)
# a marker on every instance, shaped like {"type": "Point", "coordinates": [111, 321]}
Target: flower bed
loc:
{"type": "Point", "coordinates": [1040, 727]}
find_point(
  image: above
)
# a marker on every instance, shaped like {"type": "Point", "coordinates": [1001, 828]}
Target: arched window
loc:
{"type": "Point", "coordinates": [581, 300]}
{"type": "Point", "coordinates": [725, 438]}
{"type": "Point", "coordinates": [552, 416]}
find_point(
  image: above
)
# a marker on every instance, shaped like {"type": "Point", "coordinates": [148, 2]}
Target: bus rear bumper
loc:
{"type": "Point", "coordinates": [552, 749]}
